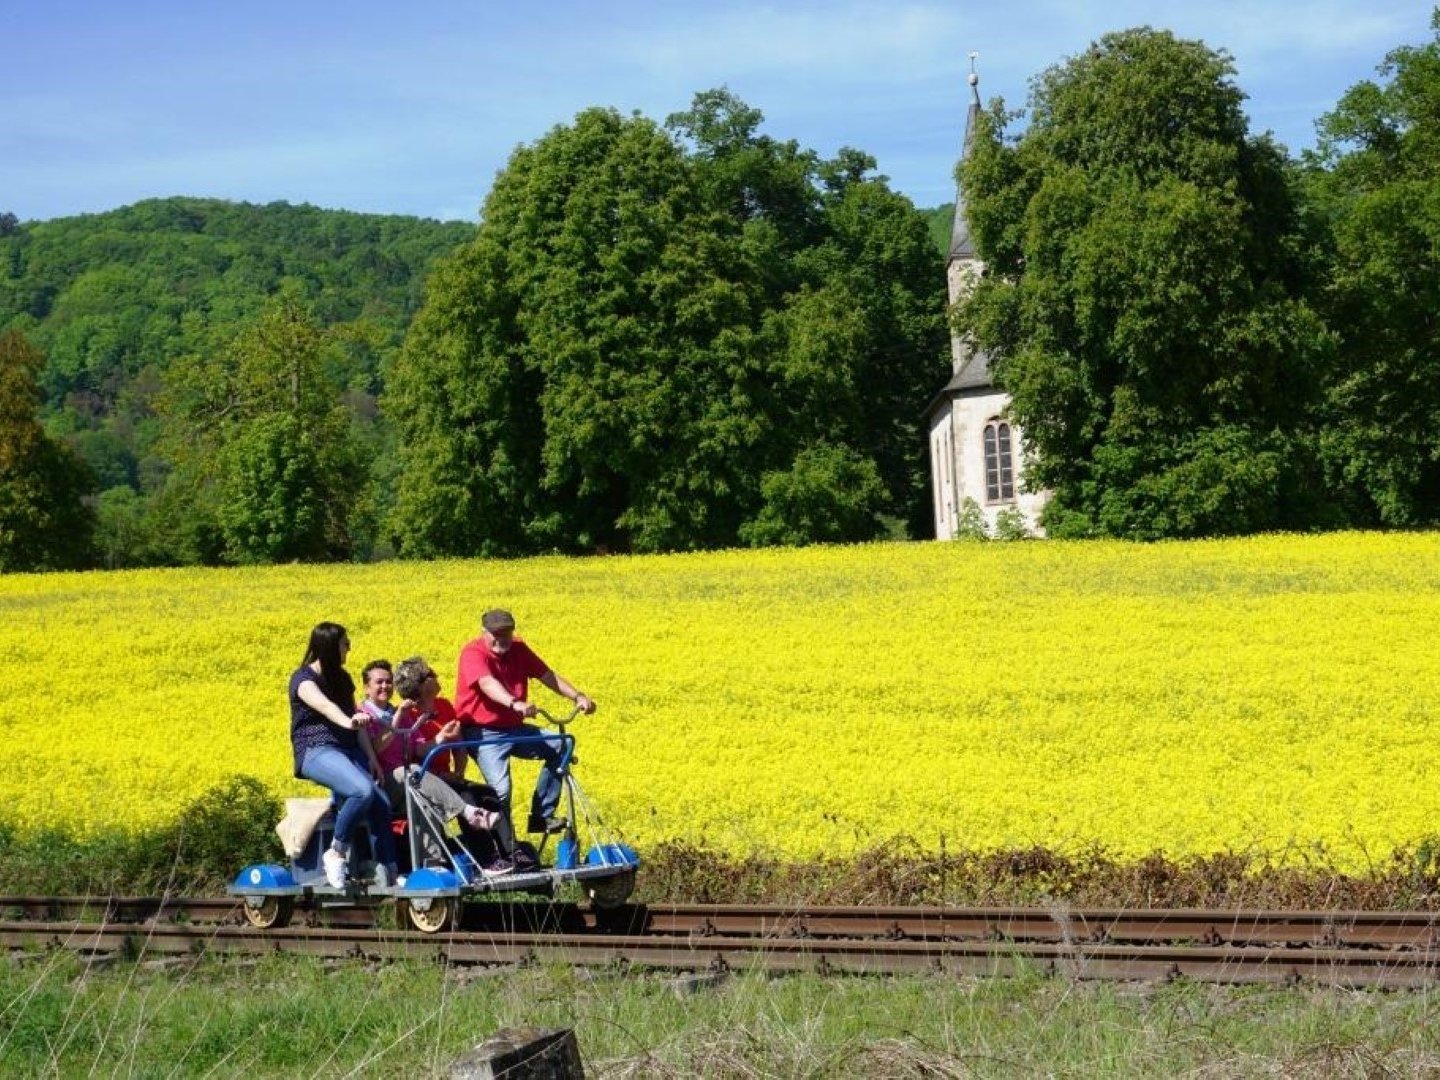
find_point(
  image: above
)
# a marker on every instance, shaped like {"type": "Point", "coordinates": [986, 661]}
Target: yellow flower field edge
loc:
{"type": "Point", "coordinates": [1269, 700]}
{"type": "Point", "coordinates": [197, 853]}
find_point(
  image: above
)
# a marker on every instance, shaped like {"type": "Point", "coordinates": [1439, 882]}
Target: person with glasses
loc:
{"type": "Point", "coordinates": [492, 698]}
{"type": "Point", "coordinates": [403, 734]}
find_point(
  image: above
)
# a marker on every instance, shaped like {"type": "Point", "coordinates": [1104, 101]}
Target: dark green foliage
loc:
{"type": "Point", "coordinates": [116, 300]}
{"type": "Point", "coordinates": [1144, 302]}
{"type": "Point", "coordinates": [44, 525]}
{"type": "Point", "coordinates": [1376, 185]}
{"type": "Point", "coordinates": [225, 829]}
{"type": "Point", "coordinates": [263, 445]}
{"type": "Point", "coordinates": [110, 293]}
{"type": "Point", "coordinates": [830, 494]}
{"type": "Point", "coordinates": [231, 825]}
{"type": "Point", "coordinates": [648, 324]}
{"type": "Point", "coordinates": [125, 534]}
{"type": "Point", "coordinates": [941, 221]}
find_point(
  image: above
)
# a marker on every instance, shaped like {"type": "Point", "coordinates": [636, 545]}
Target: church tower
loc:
{"type": "Point", "coordinates": [975, 459]}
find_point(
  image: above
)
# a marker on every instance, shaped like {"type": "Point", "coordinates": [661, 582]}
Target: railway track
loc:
{"type": "Point", "coordinates": [1344, 948]}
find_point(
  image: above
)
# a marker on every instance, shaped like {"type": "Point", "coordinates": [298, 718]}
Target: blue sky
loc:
{"type": "Point", "coordinates": [413, 107]}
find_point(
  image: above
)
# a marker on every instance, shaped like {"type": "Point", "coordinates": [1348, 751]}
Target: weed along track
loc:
{"type": "Point", "coordinates": [1339, 948]}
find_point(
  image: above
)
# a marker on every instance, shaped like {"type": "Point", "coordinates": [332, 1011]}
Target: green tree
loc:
{"type": "Point", "coordinates": [830, 494]}
{"type": "Point", "coordinates": [44, 524]}
{"type": "Point", "coordinates": [113, 300]}
{"type": "Point", "coordinates": [1377, 184]}
{"type": "Point", "coordinates": [531, 395]}
{"type": "Point", "coordinates": [124, 532]}
{"type": "Point", "coordinates": [1144, 299]}
{"type": "Point", "coordinates": [648, 324]}
{"type": "Point", "coordinates": [265, 456]}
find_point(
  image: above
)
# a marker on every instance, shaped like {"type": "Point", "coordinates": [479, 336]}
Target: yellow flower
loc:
{"type": "Point", "coordinates": [1270, 694]}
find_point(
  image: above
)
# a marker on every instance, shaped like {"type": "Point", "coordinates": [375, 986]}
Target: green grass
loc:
{"type": "Point", "coordinates": [288, 1016]}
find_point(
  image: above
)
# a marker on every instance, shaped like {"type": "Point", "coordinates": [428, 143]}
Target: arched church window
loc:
{"type": "Point", "coordinates": [999, 462]}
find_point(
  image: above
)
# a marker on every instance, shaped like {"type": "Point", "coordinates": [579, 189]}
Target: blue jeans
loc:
{"type": "Point", "coordinates": [493, 757]}
{"type": "Point", "coordinates": [357, 794]}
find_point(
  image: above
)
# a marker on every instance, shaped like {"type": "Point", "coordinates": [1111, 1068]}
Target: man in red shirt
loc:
{"type": "Point", "coordinates": [492, 696]}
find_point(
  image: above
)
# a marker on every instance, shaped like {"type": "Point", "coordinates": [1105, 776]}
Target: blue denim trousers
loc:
{"type": "Point", "coordinates": [358, 795]}
{"type": "Point", "coordinates": [493, 756]}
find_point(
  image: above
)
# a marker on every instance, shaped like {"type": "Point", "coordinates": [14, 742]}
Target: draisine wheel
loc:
{"type": "Point", "coordinates": [269, 912]}
{"type": "Point", "coordinates": [611, 892]}
{"type": "Point", "coordinates": [437, 914]}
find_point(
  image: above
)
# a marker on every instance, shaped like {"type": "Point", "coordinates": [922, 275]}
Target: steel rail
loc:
{"type": "Point", "coordinates": [1415, 929]}
{"type": "Point", "coordinates": [1349, 967]}
{"type": "Point", "coordinates": [1330, 929]}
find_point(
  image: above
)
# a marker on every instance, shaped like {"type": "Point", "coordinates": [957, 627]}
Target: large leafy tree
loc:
{"type": "Point", "coordinates": [1143, 297]}
{"type": "Point", "coordinates": [1380, 192]}
{"type": "Point", "coordinates": [267, 464]}
{"type": "Point", "coordinates": [44, 525]}
{"type": "Point", "coordinates": [651, 330]}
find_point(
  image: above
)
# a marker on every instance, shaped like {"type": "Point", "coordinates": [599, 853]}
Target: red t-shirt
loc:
{"type": "Point", "coordinates": [513, 671]}
{"type": "Point", "coordinates": [429, 728]}
{"type": "Point", "coordinates": [414, 729]}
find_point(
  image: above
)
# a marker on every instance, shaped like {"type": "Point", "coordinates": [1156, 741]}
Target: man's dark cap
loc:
{"type": "Point", "coordinates": [497, 619]}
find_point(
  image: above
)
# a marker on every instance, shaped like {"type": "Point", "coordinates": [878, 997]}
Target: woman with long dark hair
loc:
{"type": "Point", "coordinates": [327, 733]}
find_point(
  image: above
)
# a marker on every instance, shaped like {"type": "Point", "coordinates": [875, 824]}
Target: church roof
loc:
{"type": "Point", "coordinates": [961, 245]}
{"type": "Point", "coordinates": [972, 379]}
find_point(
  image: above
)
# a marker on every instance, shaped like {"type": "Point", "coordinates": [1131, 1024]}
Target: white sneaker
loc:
{"type": "Point", "coordinates": [336, 868]}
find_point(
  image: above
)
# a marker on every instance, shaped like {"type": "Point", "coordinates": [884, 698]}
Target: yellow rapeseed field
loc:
{"type": "Point", "coordinates": [1273, 695]}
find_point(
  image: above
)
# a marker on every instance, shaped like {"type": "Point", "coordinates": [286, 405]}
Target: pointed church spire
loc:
{"type": "Point", "coordinates": [961, 246]}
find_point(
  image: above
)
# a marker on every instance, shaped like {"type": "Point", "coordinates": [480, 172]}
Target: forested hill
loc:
{"type": "Point", "coordinates": [113, 299]}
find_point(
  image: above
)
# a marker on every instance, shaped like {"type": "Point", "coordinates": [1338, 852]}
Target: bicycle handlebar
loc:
{"type": "Point", "coordinates": [554, 720]}
{"type": "Point", "coordinates": [567, 740]}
